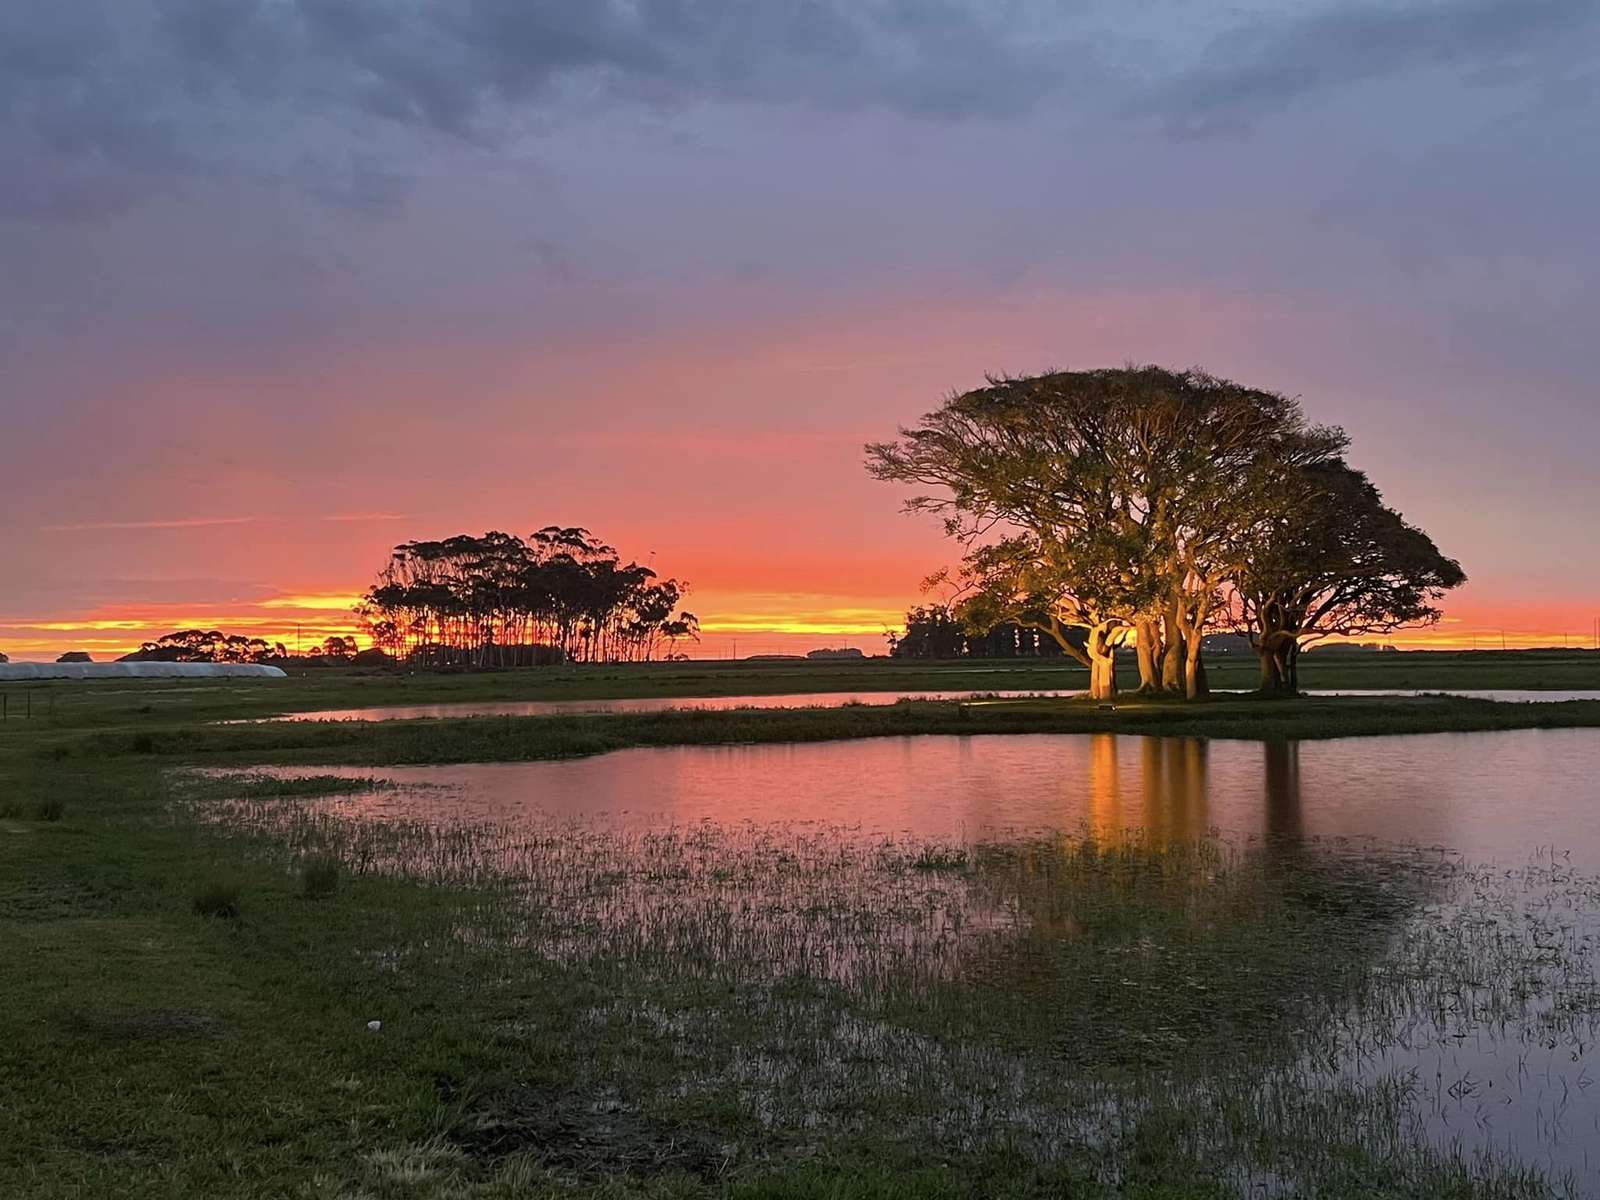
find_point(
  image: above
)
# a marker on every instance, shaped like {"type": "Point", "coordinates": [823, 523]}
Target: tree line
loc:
{"type": "Point", "coordinates": [1142, 506]}
{"type": "Point", "coordinates": [938, 631]}
{"type": "Point", "coordinates": [503, 600]}
{"type": "Point", "coordinates": [212, 645]}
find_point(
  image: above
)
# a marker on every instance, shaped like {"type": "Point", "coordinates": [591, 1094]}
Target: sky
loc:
{"type": "Point", "coordinates": [286, 282]}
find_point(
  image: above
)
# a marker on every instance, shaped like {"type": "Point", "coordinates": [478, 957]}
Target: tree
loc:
{"type": "Point", "coordinates": [339, 647]}
{"type": "Point", "coordinates": [206, 645]}
{"type": "Point", "coordinates": [500, 599]}
{"type": "Point", "coordinates": [1332, 560]}
{"type": "Point", "coordinates": [931, 631]}
{"type": "Point", "coordinates": [1115, 502]}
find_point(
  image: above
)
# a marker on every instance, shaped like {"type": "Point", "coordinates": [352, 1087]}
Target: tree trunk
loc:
{"type": "Point", "coordinates": [1148, 649]}
{"type": "Point", "coordinates": [1172, 659]}
{"type": "Point", "coordinates": [1102, 664]}
{"type": "Point", "coordinates": [1194, 671]}
{"type": "Point", "coordinates": [1279, 652]}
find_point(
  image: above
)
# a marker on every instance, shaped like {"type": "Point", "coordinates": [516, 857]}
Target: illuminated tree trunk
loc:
{"type": "Point", "coordinates": [1172, 659]}
{"type": "Point", "coordinates": [1195, 685]}
{"type": "Point", "coordinates": [1193, 626]}
{"type": "Point", "coordinates": [1148, 649]}
{"type": "Point", "coordinates": [1102, 663]}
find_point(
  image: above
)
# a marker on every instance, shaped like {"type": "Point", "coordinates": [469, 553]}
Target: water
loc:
{"type": "Point", "coordinates": [546, 708]}
{"type": "Point", "coordinates": [858, 860]}
{"type": "Point", "coordinates": [1492, 797]}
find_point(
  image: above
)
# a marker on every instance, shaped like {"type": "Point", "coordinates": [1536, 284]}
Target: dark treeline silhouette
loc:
{"type": "Point", "coordinates": [212, 645]}
{"type": "Point", "coordinates": [1141, 506]}
{"type": "Point", "coordinates": [207, 645]}
{"type": "Point", "coordinates": [937, 631]}
{"type": "Point", "coordinates": [503, 600]}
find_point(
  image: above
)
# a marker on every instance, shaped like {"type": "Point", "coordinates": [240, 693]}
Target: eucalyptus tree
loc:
{"type": "Point", "coordinates": [1330, 559]}
{"type": "Point", "coordinates": [1115, 501]}
{"type": "Point", "coordinates": [209, 645]}
{"type": "Point", "coordinates": [500, 599]}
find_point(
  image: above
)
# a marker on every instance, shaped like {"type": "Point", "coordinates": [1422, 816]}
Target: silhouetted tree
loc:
{"type": "Point", "coordinates": [498, 599]}
{"type": "Point", "coordinates": [1331, 559]}
{"type": "Point", "coordinates": [208, 645]}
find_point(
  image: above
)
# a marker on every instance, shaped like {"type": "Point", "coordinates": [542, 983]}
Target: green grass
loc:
{"type": "Point", "coordinates": [580, 1013]}
{"type": "Point", "coordinates": [569, 1014]}
{"type": "Point", "coordinates": [500, 739]}
{"type": "Point", "coordinates": [154, 703]}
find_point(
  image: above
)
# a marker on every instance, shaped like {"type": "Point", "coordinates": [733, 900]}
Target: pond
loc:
{"type": "Point", "coordinates": [546, 708]}
{"type": "Point", "coordinates": [1416, 918]}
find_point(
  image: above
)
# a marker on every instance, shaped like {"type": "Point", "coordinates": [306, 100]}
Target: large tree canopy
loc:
{"type": "Point", "coordinates": [1117, 503]}
{"type": "Point", "coordinates": [1331, 559]}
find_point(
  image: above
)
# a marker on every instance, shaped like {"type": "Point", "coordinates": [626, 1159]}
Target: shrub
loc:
{"type": "Point", "coordinates": [143, 743]}
{"type": "Point", "coordinates": [39, 810]}
{"type": "Point", "coordinates": [319, 876]}
{"type": "Point", "coordinates": [218, 898]}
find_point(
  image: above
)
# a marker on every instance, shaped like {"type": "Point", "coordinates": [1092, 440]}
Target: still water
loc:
{"type": "Point", "coordinates": [1486, 796]}
{"type": "Point", "coordinates": [546, 708]}
{"type": "Point", "coordinates": [1494, 1064]}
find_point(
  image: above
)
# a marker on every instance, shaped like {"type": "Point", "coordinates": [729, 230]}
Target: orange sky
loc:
{"type": "Point", "coordinates": [278, 291]}
{"type": "Point", "coordinates": [734, 459]}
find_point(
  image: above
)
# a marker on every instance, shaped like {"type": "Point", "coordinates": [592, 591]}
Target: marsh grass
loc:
{"type": "Point", "coordinates": [217, 897]}
{"type": "Point", "coordinates": [319, 876]}
{"type": "Point", "coordinates": [50, 809]}
{"type": "Point", "coordinates": [735, 1001]}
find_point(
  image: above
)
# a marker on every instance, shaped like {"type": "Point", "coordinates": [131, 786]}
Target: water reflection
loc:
{"type": "Point", "coordinates": [1025, 905]}
{"type": "Point", "coordinates": [1280, 770]}
{"type": "Point", "coordinates": [1487, 796]}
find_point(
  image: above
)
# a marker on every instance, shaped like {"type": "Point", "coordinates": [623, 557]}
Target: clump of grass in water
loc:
{"type": "Point", "coordinates": [1232, 1013]}
{"type": "Point", "coordinates": [256, 785]}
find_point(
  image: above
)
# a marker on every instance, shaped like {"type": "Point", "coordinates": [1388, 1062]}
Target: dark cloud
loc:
{"type": "Point", "coordinates": [105, 103]}
{"type": "Point", "coordinates": [186, 88]}
{"type": "Point", "coordinates": [1260, 69]}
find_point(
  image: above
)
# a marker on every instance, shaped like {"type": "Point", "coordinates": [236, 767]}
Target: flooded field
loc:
{"type": "Point", "coordinates": [545, 708]}
{"type": "Point", "coordinates": [1291, 961]}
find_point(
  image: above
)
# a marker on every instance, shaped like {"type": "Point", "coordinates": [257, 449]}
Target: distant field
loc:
{"type": "Point", "coordinates": [159, 702]}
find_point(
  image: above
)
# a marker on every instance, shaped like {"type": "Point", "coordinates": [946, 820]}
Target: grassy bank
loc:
{"type": "Point", "coordinates": [157, 702]}
{"type": "Point", "coordinates": [489, 739]}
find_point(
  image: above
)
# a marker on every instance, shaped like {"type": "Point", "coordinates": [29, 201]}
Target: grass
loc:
{"type": "Point", "coordinates": [217, 898]}
{"type": "Point", "coordinates": [50, 809]}
{"type": "Point", "coordinates": [319, 876]}
{"type": "Point", "coordinates": [501, 739]}
{"type": "Point", "coordinates": [155, 703]}
{"type": "Point", "coordinates": [586, 1012]}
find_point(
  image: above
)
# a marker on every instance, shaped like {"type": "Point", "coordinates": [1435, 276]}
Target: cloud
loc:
{"type": "Point", "coordinates": [104, 103]}
{"type": "Point", "coordinates": [1260, 68]}
{"type": "Point", "coordinates": [175, 523]}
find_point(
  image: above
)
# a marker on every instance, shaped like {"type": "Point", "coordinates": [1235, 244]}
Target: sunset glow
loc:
{"type": "Point", "coordinates": [287, 327]}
